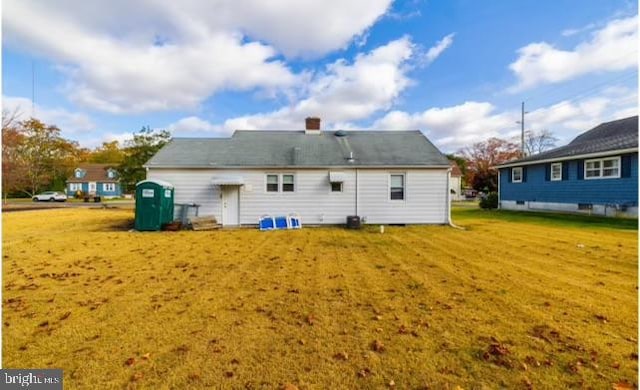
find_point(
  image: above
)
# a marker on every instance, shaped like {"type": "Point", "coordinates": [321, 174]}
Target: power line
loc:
{"type": "Point", "coordinates": [574, 97]}
{"type": "Point", "coordinates": [553, 90]}
{"type": "Point", "coordinates": [585, 93]}
{"type": "Point", "coordinates": [33, 89]}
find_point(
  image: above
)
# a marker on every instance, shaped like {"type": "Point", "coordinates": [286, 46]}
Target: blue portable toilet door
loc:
{"type": "Point", "coordinates": [150, 215]}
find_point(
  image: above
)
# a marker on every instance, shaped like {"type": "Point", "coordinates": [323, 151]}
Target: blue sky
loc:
{"type": "Point", "coordinates": [457, 70]}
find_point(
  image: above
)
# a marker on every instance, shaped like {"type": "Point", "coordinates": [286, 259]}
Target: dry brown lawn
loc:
{"type": "Point", "coordinates": [515, 303]}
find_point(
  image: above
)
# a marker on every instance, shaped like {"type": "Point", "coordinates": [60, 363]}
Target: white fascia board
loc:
{"type": "Point", "coordinates": [566, 158]}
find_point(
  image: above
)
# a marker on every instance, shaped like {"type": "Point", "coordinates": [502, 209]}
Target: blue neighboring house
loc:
{"type": "Point", "coordinates": [596, 173]}
{"type": "Point", "coordinates": [95, 180]}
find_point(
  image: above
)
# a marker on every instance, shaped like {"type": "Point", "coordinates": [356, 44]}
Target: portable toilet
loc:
{"type": "Point", "coordinates": [154, 204]}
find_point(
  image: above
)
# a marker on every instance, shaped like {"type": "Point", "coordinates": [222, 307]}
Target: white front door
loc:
{"type": "Point", "coordinates": [230, 203]}
{"type": "Point", "coordinates": [92, 187]}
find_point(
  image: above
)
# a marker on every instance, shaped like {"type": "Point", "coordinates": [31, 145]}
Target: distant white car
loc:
{"type": "Point", "coordinates": [50, 196]}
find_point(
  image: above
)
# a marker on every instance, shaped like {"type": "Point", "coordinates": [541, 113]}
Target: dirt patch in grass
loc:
{"type": "Point", "coordinates": [505, 304]}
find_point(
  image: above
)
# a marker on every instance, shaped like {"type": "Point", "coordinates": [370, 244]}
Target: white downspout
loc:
{"type": "Point", "coordinates": [448, 212]}
{"type": "Point", "coordinates": [357, 193]}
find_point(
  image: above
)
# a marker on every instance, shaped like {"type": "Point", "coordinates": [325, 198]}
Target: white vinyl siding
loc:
{"type": "Point", "coordinates": [556, 171]}
{"type": "Point", "coordinates": [603, 168]}
{"type": "Point", "coordinates": [425, 195]}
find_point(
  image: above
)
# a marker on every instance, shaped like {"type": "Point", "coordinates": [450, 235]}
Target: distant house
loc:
{"type": "Point", "coordinates": [455, 183]}
{"type": "Point", "coordinates": [94, 180]}
{"type": "Point", "coordinates": [595, 173]}
{"type": "Point", "coordinates": [385, 177]}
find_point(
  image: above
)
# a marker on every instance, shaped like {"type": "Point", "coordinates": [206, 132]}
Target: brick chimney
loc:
{"type": "Point", "coordinates": [312, 125]}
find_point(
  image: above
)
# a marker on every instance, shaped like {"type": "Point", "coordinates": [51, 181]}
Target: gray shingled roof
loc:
{"type": "Point", "coordinates": [609, 136]}
{"type": "Point", "coordinates": [262, 148]}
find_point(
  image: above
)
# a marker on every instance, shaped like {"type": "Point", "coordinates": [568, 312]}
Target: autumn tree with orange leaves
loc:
{"type": "Point", "coordinates": [482, 158]}
{"type": "Point", "coordinates": [13, 165]}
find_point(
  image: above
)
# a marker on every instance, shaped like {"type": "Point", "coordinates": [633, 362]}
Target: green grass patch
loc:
{"type": "Point", "coordinates": [463, 214]}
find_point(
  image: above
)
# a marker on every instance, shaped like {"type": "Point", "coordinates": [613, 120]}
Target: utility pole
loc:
{"type": "Point", "coordinates": [522, 131]}
{"type": "Point", "coordinates": [521, 122]}
{"type": "Point", "coordinates": [33, 89]}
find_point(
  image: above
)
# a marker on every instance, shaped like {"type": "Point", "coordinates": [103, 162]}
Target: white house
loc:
{"type": "Point", "coordinates": [385, 177]}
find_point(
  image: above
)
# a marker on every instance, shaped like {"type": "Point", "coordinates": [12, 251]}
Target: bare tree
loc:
{"type": "Point", "coordinates": [10, 118]}
{"type": "Point", "coordinates": [538, 141]}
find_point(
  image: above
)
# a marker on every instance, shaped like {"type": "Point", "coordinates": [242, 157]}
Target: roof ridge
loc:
{"type": "Point", "coordinates": [618, 120]}
{"type": "Point", "coordinates": [330, 131]}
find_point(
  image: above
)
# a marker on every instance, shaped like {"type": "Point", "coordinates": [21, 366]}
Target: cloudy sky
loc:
{"type": "Point", "coordinates": [457, 70]}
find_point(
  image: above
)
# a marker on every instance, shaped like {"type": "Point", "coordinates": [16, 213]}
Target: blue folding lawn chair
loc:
{"type": "Point", "coordinates": [294, 221]}
{"type": "Point", "coordinates": [266, 222]}
{"type": "Point", "coordinates": [282, 222]}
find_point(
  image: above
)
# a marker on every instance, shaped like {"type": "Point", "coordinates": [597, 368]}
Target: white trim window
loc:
{"type": "Point", "coordinates": [111, 173]}
{"type": "Point", "coordinates": [556, 171]}
{"type": "Point", "coordinates": [75, 187]}
{"type": "Point", "coordinates": [602, 168]}
{"type": "Point", "coordinates": [109, 187]}
{"type": "Point", "coordinates": [397, 186]}
{"type": "Point", "coordinates": [272, 183]}
{"type": "Point", "coordinates": [516, 175]}
{"type": "Point", "coordinates": [79, 173]}
{"type": "Point", "coordinates": [288, 183]}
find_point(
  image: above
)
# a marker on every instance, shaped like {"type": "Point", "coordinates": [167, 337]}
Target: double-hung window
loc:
{"type": "Point", "coordinates": [556, 171]}
{"type": "Point", "coordinates": [280, 182]}
{"type": "Point", "coordinates": [396, 187]}
{"type": "Point", "coordinates": [287, 183]}
{"type": "Point", "coordinates": [602, 168]}
{"type": "Point", "coordinates": [516, 175]}
{"type": "Point", "coordinates": [272, 183]}
{"type": "Point", "coordinates": [108, 187]}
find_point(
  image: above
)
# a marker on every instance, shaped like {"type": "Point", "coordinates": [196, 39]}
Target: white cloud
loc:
{"type": "Point", "coordinates": [573, 31]}
{"type": "Point", "coordinates": [122, 138]}
{"type": "Point", "coordinates": [190, 124]}
{"type": "Point", "coordinates": [611, 48]}
{"type": "Point", "coordinates": [71, 124]}
{"type": "Point", "coordinates": [123, 56]}
{"type": "Point", "coordinates": [402, 16]}
{"type": "Point", "coordinates": [343, 91]}
{"type": "Point", "coordinates": [435, 51]}
{"type": "Point", "coordinates": [452, 127]}
{"type": "Point", "coordinates": [455, 127]}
